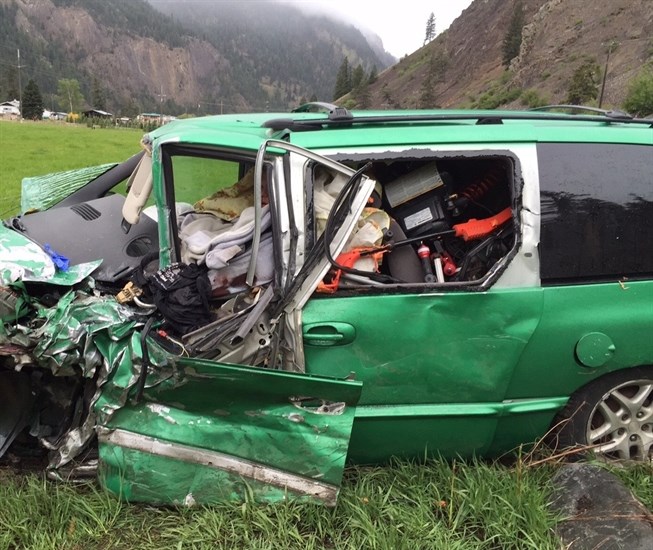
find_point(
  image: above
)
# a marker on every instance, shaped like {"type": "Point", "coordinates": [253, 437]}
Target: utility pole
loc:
{"type": "Point", "coordinates": [605, 72]}
{"type": "Point", "coordinates": [161, 96]}
{"type": "Point", "coordinates": [20, 88]}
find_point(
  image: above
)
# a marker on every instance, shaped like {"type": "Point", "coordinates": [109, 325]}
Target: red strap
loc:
{"type": "Point", "coordinates": [476, 229]}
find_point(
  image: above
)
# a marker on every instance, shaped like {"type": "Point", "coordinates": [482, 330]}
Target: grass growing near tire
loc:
{"type": "Point", "coordinates": [638, 478]}
{"type": "Point", "coordinates": [458, 505]}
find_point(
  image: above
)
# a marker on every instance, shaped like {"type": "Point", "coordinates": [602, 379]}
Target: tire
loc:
{"type": "Point", "coordinates": [612, 415]}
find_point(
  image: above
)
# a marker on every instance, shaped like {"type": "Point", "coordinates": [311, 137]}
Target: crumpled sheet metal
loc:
{"type": "Point", "coordinates": [73, 275]}
{"type": "Point", "coordinates": [215, 433]}
{"type": "Point", "coordinates": [41, 192]}
{"type": "Point", "coordinates": [24, 260]}
{"type": "Point", "coordinates": [20, 257]}
{"type": "Point", "coordinates": [121, 356]}
{"type": "Point", "coordinates": [123, 361]}
{"type": "Point", "coordinates": [94, 337]}
{"type": "Point", "coordinates": [66, 339]}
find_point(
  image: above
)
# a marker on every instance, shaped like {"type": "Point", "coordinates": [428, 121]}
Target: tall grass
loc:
{"type": "Point", "coordinates": [639, 479]}
{"type": "Point", "coordinates": [405, 505]}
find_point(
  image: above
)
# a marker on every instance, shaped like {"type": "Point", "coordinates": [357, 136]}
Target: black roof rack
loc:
{"type": "Point", "coordinates": [322, 107]}
{"type": "Point", "coordinates": [616, 114]}
{"type": "Point", "coordinates": [342, 118]}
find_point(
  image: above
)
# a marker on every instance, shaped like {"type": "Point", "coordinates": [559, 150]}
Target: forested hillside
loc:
{"type": "Point", "coordinates": [137, 58]}
{"type": "Point", "coordinates": [198, 57]}
{"type": "Point", "coordinates": [277, 46]}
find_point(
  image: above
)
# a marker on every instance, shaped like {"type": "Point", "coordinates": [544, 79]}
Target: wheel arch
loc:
{"type": "Point", "coordinates": [571, 421]}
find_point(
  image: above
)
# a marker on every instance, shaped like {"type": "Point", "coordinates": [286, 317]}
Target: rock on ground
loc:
{"type": "Point", "coordinates": [598, 511]}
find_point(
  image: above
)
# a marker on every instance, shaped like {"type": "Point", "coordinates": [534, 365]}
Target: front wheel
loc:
{"type": "Point", "coordinates": [612, 415]}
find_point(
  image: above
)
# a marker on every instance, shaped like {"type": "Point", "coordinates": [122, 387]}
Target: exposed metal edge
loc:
{"type": "Point", "coordinates": [525, 406]}
{"type": "Point", "coordinates": [220, 461]}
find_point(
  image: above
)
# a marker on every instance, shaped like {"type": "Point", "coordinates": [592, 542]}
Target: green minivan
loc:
{"type": "Point", "coordinates": [272, 295]}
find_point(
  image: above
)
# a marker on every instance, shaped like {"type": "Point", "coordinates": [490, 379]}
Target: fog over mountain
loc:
{"type": "Point", "coordinates": [295, 42]}
{"type": "Point", "coordinates": [200, 57]}
{"type": "Point", "coordinates": [181, 56]}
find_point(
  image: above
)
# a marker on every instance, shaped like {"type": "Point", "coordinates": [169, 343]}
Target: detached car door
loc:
{"type": "Point", "coordinates": [224, 432]}
{"type": "Point", "coordinates": [212, 431]}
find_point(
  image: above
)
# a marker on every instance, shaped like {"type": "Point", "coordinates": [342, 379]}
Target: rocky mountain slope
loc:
{"type": "Point", "coordinates": [208, 57]}
{"type": "Point", "coordinates": [558, 37]}
{"type": "Point", "coordinates": [195, 61]}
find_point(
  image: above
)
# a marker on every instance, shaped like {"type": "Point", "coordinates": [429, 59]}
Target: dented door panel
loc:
{"type": "Point", "coordinates": [450, 375]}
{"type": "Point", "coordinates": [216, 432]}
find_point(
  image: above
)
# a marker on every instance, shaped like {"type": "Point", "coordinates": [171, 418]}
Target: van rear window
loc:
{"type": "Point", "coordinates": [597, 207]}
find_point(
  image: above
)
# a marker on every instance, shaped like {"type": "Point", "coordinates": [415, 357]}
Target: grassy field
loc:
{"type": "Point", "coordinates": [37, 148]}
{"type": "Point", "coordinates": [436, 505]}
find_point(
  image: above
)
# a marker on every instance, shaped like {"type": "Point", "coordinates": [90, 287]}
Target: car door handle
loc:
{"type": "Point", "coordinates": [329, 334]}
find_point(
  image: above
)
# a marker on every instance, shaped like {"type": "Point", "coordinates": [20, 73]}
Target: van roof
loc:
{"type": "Point", "coordinates": [343, 129]}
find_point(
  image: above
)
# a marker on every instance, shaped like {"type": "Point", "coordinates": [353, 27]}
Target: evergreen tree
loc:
{"type": "Point", "coordinates": [357, 77]}
{"type": "Point", "coordinates": [584, 85]}
{"type": "Point", "coordinates": [427, 94]}
{"type": "Point", "coordinates": [430, 28]}
{"type": "Point", "coordinates": [439, 63]}
{"type": "Point", "coordinates": [374, 74]}
{"type": "Point", "coordinates": [343, 80]}
{"type": "Point", "coordinates": [97, 96]}
{"type": "Point", "coordinates": [436, 70]}
{"type": "Point", "coordinates": [512, 39]}
{"type": "Point", "coordinates": [131, 108]}
{"type": "Point", "coordinates": [32, 106]}
{"type": "Point", "coordinates": [69, 95]}
{"type": "Point", "coordinates": [363, 95]}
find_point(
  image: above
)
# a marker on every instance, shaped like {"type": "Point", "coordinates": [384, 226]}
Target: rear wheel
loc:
{"type": "Point", "coordinates": [613, 415]}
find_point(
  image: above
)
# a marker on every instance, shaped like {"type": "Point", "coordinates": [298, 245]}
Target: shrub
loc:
{"type": "Point", "coordinates": [584, 83]}
{"type": "Point", "coordinates": [639, 99]}
{"type": "Point", "coordinates": [532, 99]}
{"type": "Point", "coordinates": [496, 97]}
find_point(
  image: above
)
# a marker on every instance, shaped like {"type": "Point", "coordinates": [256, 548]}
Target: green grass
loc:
{"type": "Point", "coordinates": [639, 479]}
{"type": "Point", "coordinates": [200, 177]}
{"type": "Point", "coordinates": [413, 506]}
{"type": "Point", "coordinates": [37, 148]}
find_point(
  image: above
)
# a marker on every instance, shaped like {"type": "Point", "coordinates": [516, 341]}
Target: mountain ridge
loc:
{"type": "Point", "coordinates": [146, 60]}
{"type": "Point", "coordinates": [194, 60]}
{"type": "Point", "coordinates": [558, 36]}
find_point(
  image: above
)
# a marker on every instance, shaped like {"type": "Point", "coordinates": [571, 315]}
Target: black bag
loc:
{"type": "Point", "coordinates": [181, 293]}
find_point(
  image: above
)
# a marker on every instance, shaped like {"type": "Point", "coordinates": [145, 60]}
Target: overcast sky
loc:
{"type": "Point", "coordinates": [401, 25]}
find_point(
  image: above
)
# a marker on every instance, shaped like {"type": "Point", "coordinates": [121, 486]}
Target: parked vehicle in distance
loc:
{"type": "Point", "coordinates": [278, 293]}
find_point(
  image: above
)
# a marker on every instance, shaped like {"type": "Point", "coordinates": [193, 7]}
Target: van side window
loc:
{"type": "Point", "coordinates": [444, 220]}
{"type": "Point", "coordinates": [597, 207]}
